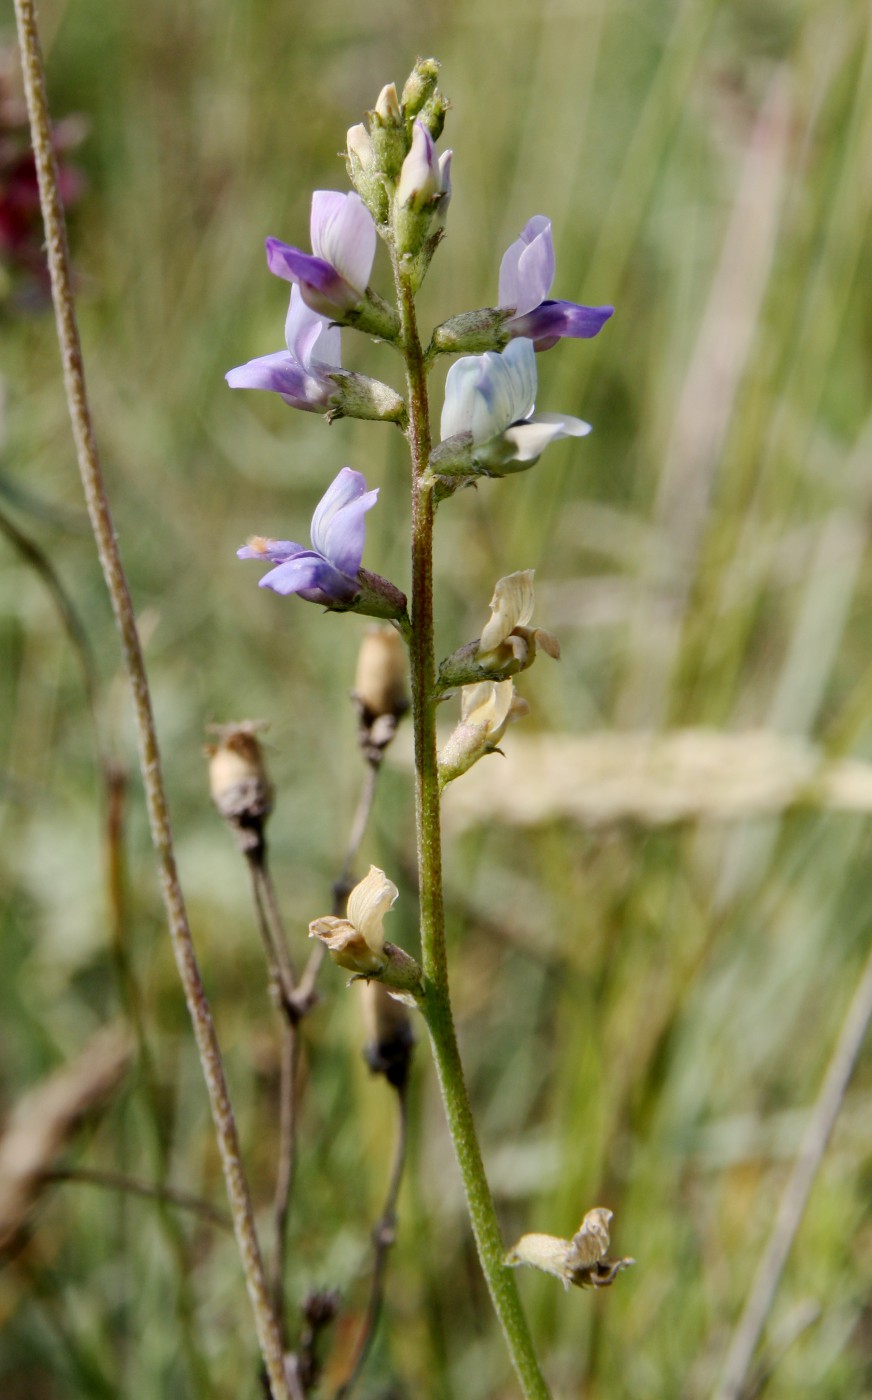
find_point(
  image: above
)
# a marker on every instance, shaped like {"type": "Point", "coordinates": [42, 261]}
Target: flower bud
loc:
{"type": "Point", "coordinates": [423, 192]}
{"type": "Point", "coordinates": [380, 689]}
{"type": "Point", "coordinates": [363, 173]}
{"type": "Point", "coordinates": [387, 107]}
{"type": "Point", "coordinates": [419, 86]}
{"type": "Point", "coordinates": [360, 146]}
{"type": "Point", "coordinates": [389, 1036]}
{"type": "Point", "coordinates": [239, 783]}
{"type": "Point", "coordinates": [387, 132]}
{"type": "Point", "coordinates": [433, 115]}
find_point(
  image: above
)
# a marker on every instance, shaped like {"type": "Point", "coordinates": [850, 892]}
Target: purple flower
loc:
{"type": "Point", "coordinates": [326, 573]}
{"type": "Point", "coordinates": [425, 177]}
{"type": "Point", "coordinates": [332, 278]}
{"type": "Point", "coordinates": [302, 373]}
{"type": "Point", "coordinates": [526, 274]}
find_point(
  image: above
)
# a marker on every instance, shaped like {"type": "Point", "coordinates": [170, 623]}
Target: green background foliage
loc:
{"type": "Point", "coordinates": [645, 1010]}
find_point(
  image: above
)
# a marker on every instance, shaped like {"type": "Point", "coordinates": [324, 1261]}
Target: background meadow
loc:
{"type": "Point", "coordinates": [655, 940]}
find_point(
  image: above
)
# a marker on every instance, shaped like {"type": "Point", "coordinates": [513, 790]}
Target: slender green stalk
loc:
{"type": "Point", "coordinates": [268, 1332]}
{"type": "Point", "coordinates": [437, 1003]}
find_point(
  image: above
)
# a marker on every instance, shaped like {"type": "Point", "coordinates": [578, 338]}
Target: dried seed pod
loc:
{"type": "Point", "coordinates": [389, 1037]}
{"type": "Point", "coordinates": [239, 782]}
{"type": "Point", "coordinates": [380, 689]}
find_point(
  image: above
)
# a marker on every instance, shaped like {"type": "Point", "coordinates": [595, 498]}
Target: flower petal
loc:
{"type": "Point", "coordinates": [525, 442]}
{"type": "Point", "coordinates": [310, 337]}
{"type": "Point", "coordinates": [553, 320]}
{"type": "Point", "coordinates": [338, 525]}
{"type": "Point", "coordinates": [368, 903]}
{"type": "Point", "coordinates": [343, 233]}
{"type": "Point", "coordinates": [312, 576]}
{"type": "Point", "coordinates": [511, 607]}
{"type": "Point", "coordinates": [322, 287]}
{"type": "Point", "coordinates": [420, 179]}
{"type": "Point", "coordinates": [274, 551]}
{"type": "Point", "coordinates": [527, 268]}
{"type": "Point", "coordinates": [485, 393]}
{"type": "Point", "coordinates": [280, 372]}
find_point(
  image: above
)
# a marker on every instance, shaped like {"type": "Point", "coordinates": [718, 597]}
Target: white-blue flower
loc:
{"type": "Point", "coordinates": [492, 396]}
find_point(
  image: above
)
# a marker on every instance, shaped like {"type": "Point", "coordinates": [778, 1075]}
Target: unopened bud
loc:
{"type": "Point", "coordinates": [380, 689]}
{"type": "Point", "coordinates": [387, 133]}
{"type": "Point", "coordinates": [362, 172]}
{"type": "Point", "coordinates": [433, 115]}
{"type": "Point", "coordinates": [419, 86]}
{"type": "Point", "coordinates": [359, 145]}
{"type": "Point", "coordinates": [389, 1036]}
{"type": "Point", "coordinates": [387, 107]}
{"type": "Point", "coordinates": [239, 783]}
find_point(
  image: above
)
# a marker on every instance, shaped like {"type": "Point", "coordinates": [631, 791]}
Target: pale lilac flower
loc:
{"type": "Point", "coordinates": [302, 373]}
{"type": "Point", "coordinates": [526, 274]}
{"type": "Point", "coordinates": [425, 177]}
{"type": "Point", "coordinates": [492, 397]}
{"type": "Point", "coordinates": [333, 278]}
{"type": "Point", "coordinates": [326, 573]}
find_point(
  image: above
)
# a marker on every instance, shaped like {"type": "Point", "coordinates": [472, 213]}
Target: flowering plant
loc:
{"type": "Point", "coordinates": [402, 188]}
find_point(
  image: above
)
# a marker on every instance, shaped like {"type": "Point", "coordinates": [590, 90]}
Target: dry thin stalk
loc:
{"type": "Point", "coordinates": [268, 1332]}
{"type": "Point", "coordinates": [344, 884]}
{"type": "Point", "coordinates": [383, 1235]}
{"type": "Point", "coordinates": [135, 1186]}
{"type": "Point", "coordinates": [733, 1382]}
{"type": "Point", "coordinates": [282, 977]}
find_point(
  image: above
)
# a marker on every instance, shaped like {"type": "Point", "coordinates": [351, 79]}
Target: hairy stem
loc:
{"type": "Point", "coordinates": [268, 1333]}
{"type": "Point", "coordinates": [437, 1003]}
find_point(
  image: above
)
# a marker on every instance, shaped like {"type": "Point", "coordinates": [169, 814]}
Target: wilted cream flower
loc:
{"type": "Point", "coordinates": [486, 711]}
{"type": "Point", "coordinates": [358, 942]}
{"type": "Point", "coordinates": [581, 1260]}
{"type": "Point", "coordinates": [368, 903]}
{"type": "Point", "coordinates": [507, 643]}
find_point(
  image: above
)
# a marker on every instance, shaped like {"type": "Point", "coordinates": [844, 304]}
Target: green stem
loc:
{"type": "Point", "coordinates": [437, 1002]}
